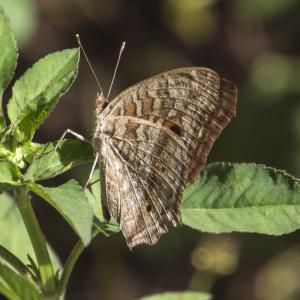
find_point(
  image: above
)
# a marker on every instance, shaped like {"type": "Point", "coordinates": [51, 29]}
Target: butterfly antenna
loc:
{"type": "Point", "coordinates": [116, 68]}
{"type": "Point", "coordinates": [89, 63]}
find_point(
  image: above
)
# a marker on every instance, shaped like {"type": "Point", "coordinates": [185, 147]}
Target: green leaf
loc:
{"type": "Point", "coordinates": [179, 296]}
{"type": "Point", "coordinates": [8, 58]}
{"type": "Point", "coordinates": [48, 162]}
{"type": "Point", "coordinates": [8, 293]}
{"type": "Point", "coordinates": [243, 198]}
{"type": "Point", "coordinates": [19, 285]}
{"type": "Point", "coordinates": [94, 198]}
{"type": "Point", "coordinates": [8, 51]}
{"type": "Point", "coordinates": [36, 93]}
{"type": "Point", "coordinates": [13, 235]}
{"type": "Point", "coordinates": [10, 176]}
{"type": "Point", "coordinates": [30, 149]}
{"type": "Point", "coordinates": [70, 201]}
{"type": "Point", "coordinates": [107, 228]}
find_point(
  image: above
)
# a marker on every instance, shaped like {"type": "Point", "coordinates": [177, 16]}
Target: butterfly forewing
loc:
{"type": "Point", "coordinates": [155, 138]}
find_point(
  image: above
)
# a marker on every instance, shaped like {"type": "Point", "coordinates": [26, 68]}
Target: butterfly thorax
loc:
{"type": "Point", "coordinates": [101, 135]}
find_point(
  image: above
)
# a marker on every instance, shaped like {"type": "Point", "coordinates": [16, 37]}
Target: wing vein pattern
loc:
{"type": "Point", "coordinates": [158, 134]}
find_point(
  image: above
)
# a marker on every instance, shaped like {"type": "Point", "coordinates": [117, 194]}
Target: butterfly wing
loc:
{"type": "Point", "coordinates": [159, 133]}
{"type": "Point", "coordinates": [144, 179]}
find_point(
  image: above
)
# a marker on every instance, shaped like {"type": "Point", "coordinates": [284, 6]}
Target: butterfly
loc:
{"type": "Point", "coordinates": [152, 140]}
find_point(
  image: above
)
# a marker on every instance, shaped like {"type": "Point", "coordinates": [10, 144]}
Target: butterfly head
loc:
{"type": "Point", "coordinates": [100, 103]}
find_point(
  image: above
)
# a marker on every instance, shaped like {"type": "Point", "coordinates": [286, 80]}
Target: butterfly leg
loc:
{"type": "Point", "coordinates": [92, 170]}
{"type": "Point", "coordinates": [75, 134]}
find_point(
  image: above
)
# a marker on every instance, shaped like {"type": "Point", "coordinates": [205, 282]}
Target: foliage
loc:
{"type": "Point", "coordinates": [179, 296]}
{"type": "Point", "coordinates": [243, 198]}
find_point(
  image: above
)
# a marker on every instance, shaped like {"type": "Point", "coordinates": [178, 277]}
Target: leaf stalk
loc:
{"type": "Point", "coordinates": [38, 241]}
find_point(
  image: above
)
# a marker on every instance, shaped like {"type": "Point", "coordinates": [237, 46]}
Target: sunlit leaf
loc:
{"type": "Point", "coordinates": [36, 93]}
{"type": "Point", "coordinates": [10, 175]}
{"type": "Point", "coordinates": [244, 198]}
{"type": "Point", "coordinates": [8, 58]}
{"type": "Point", "coordinates": [179, 296]}
{"type": "Point", "coordinates": [7, 292]}
{"type": "Point", "coordinates": [19, 285]}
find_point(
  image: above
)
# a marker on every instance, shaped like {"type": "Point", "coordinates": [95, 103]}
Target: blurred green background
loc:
{"type": "Point", "coordinates": [253, 43]}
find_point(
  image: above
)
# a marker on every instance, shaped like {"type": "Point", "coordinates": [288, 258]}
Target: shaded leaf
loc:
{"type": "Point", "coordinates": [179, 296]}
{"type": "Point", "coordinates": [36, 93]}
{"type": "Point", "coordinates": [8, 58]}
{"type": "Point", "coordinates": [70, 201]}
{"type": "Point", "coordinates": [94, 198]}
{"type": "Point", "coordinates": [48, 162]}
{"type": "Point", "coordinates": [244, 198]}
{"type": "Point", "coordinates": [19, 285]}
{"type": "Point", "coordinates": [107, 228]}
{"type": "Point", "coordinates": [10, 176]}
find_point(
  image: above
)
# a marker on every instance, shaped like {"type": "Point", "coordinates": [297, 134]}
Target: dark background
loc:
{"type": "Point", "coordinates": [255, 44]}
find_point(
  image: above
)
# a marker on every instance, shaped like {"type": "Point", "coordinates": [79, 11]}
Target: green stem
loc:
{"type": "Point", "coordinates": [38, 241]}
{"type": "Point", "coordinates": [16, 263]}
{"type": "Point", "coordinates": [71, 261]}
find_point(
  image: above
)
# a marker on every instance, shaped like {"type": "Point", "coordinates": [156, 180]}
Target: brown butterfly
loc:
{"type": "Point", "coordinates": [152, 140]}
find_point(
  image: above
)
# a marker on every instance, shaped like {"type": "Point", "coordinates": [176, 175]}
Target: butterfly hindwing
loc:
{"type": "Point", "coordinates": [139, 196]}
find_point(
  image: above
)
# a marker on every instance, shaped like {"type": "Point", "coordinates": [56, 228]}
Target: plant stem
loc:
{"type": "Point", "coordinates": [16, 263]}
{"type": "Point", "coordinates": [38, 241]}
{"type": "Point", "coordinates": [71, 261]}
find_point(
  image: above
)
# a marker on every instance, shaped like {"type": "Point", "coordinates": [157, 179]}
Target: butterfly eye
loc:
{"type": "Point", "coordinates": [104, 104]}
{"type": "Point", "coordinates": [148, 208]}
{"type": "Point", "coordinates": [176, 129]}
